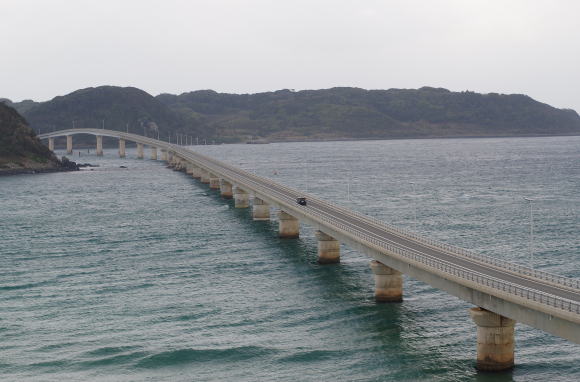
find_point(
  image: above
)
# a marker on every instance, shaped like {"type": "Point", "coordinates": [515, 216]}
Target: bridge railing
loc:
{"type": "Point", "coordinates": [260, 184]}
{"type": "Point", "coordinates": [453, 269]}
{"type": "Point", "coordinates": [404, 233]}
{"type": "Point", "coordinates": [499, 263]}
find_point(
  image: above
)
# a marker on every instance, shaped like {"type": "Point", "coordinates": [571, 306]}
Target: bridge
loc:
{"type": "Point", "coordinates": [503, 293]}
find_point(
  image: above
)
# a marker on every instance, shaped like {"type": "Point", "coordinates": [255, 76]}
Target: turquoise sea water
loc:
{"type": "Point", "coordinates": [144, 274]}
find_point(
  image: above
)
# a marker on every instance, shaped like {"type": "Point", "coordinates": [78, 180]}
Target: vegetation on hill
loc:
{"type": "Point", "coordinates": [337, 113]}
{"type": "Point", "coordinates": [20, 148]}
{"type": "Point", "coordinates": [359, 113]}
{"type": "Point", "coordinates": [110, 107]}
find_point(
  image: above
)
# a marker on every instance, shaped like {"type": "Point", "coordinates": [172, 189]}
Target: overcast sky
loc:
{"type": "Point", "coordinates": [53, 47]}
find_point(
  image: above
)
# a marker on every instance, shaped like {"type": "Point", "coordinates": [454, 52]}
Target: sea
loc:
{"type": "Point", "coordinates": [145, 274]}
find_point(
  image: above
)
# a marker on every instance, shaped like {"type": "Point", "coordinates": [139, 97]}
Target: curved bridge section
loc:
{"type": "Point", "coordinates": [502, 292]}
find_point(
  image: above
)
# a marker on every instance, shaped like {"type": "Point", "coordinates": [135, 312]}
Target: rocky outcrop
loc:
{"type": "Point", "coordinates": [20, 149]}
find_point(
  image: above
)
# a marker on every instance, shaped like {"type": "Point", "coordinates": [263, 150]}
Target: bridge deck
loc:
{"type": "Point", "coordinates": [551, 294]}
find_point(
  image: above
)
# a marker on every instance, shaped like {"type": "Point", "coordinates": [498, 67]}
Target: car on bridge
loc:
{"type": "Point", "coordinates": [301, 201]}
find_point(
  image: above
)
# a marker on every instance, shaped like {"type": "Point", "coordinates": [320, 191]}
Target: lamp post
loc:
{"type": "Point", "coordinates": [348, 186]}
{"type": "Point", "coordinates": [531, 245]}
{"type": "Point", "coordinates": [414, 205]}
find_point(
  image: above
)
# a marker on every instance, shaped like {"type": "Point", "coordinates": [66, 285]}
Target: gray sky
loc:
{"type": "Point", "coordinates": [53, 47]}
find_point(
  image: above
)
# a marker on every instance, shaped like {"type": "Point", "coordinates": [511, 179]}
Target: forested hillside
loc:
{"type": "Point", "coordinates": [337, 113]}
{"type": "Point", "coordinates": [359, 113]}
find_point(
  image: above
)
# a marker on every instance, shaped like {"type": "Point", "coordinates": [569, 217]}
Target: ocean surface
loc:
{"type": "Point", "coordinates": [144, 274]}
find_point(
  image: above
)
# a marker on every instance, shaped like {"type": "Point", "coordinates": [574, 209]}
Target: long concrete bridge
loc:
{"type": "Point", "coordinates": [503, 293]}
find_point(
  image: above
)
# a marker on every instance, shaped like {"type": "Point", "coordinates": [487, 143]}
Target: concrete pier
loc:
{"type": "Point", "coordinates": [204, 176]}
{"type": "Point", "coordinates": [328, 248]}
{"type": "Point", "coordinates": [260, 209]}
{"type": "Point", "coordinates": [69, 144]}
{"type": "Point", "coordinates": [214, 182]}
{"type": "Point", "coordinates": [189, 169]}
{"type": "Point", "coordinates": [99, 145]}
{"type": "Point", "coordinates": [153, 153]}
{"type": "Point", "coordinates": [495, 340]}
{"type": "Point", "coordinates": [226, 189]}
{"type": "Point", "coordinates": [170, 155]}
{"type": "Point", "coordinates": [288, 226]}
{"type": "Point", "coordinates": [164, 155]}
{"type": "Point", "coordinates": [388, 283]}
{"type": "Point", "coordinates": [121, 148]}
{"type": "Point", "coordinates": [196, 172]}
{"type": "Point", "coordinates": [140, 151]}
{"type": "Point", "coordinates": [51, 144]}
{"type": "Point", "coordinates": [241, 198]}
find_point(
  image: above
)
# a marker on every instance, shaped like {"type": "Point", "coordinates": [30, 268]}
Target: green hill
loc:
{"type": "Point", "coordinates": [358, 113]}
{"type": "Point", "coordinates": [114, 108]}
{"type": "Point", "coordinates": [337, 113]}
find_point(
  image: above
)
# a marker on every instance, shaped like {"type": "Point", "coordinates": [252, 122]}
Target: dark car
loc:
{"type": "Point", "coordinates": [301, 201]}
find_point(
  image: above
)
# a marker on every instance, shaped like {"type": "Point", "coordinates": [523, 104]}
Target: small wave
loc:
{"type": "Point", "coordinates": [185, 356]}
{"type": "Point", "coordinates": [23, 286]}
{"type": "Point", "coordinates": [310, 356]}
{"type": "Point", "coordinates": [115, 360]}
{"type": "Point", "coordinates": [109, 350]}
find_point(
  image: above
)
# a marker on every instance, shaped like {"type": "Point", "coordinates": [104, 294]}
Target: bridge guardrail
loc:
{"type": "Point", "coordinates": [262, 183]}
{"type": "Point", "coordinates": [488, 281]}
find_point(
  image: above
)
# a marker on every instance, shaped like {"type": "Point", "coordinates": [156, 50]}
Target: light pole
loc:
{"type": "Point", "coordinates": [348, 186]}
{"type": "Point", "coordinates": [414, 205]}
{"type": "Point", "coordinates": [531, 232]}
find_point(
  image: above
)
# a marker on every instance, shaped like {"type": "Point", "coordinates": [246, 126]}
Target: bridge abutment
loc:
{"type": "Point", "coordinates": [388, 283]}
{"type": "Point", "coordinates": [214, 182]}
{"type": "Point", "coordinates": [289, 226]}
{"type": "Point", "coordinates": [121, 148]}
{"type": "Point", "coordinates": [99, 145]}
{"type": "Point", "coordinates": [69, 146]}
{"type": "Point", "coordinates": [140, 151]}
{"type": "Point", "coordinates": [51, 144]}
{"type": "Point", "coordinates": [260, 209]}
{"type": "Point", "coordinates": [226, 189]}
{"type": "Point", "coordinates": [328, 249]}
{"type": "Point", "coordinates": [241, 198]}
{"type": "Point", "coordinates": [495, 340]}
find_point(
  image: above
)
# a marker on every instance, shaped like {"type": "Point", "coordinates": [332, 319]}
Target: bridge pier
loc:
{"type": "Point", "coordinates": [388, 283]}
{"type": "Point", "coordinates": [153, 153]}
{"type": "Point", "coordinates": [69, 146]}
{"type": "Point", "coordinates": [99, 145]}
{"type": "Point", "coordinates": [189, 168]}
{"type": "Point", "coordinates": [214, 182]}
{"type": "Point", "coordinates": [164, 155]}
{"type": "Point", "coordinates": [195, 172]}
{"type": "Point", "coordinates": [328, 249]}
{"type": "Point", "coordinates": [204, 176]}
{"type": "Point", "coordinates": [170, 156]}
{"type": "Point", "coordinates": [288, 226]}
{"type": "Point", "coordinates": [140, 151]}
{"type": "Point", "coordinates": [260, 209]}
{"type": "Point", "coordinates": [241, 198]}
{"type": "Point", "coordinates": [51, 144]}
{"type": "Point", "coordinates": [495, 340]}
{"type": "Point", "coordinates": [121, 148]}
{"type": "Point", "coordinates": [226, 189]}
